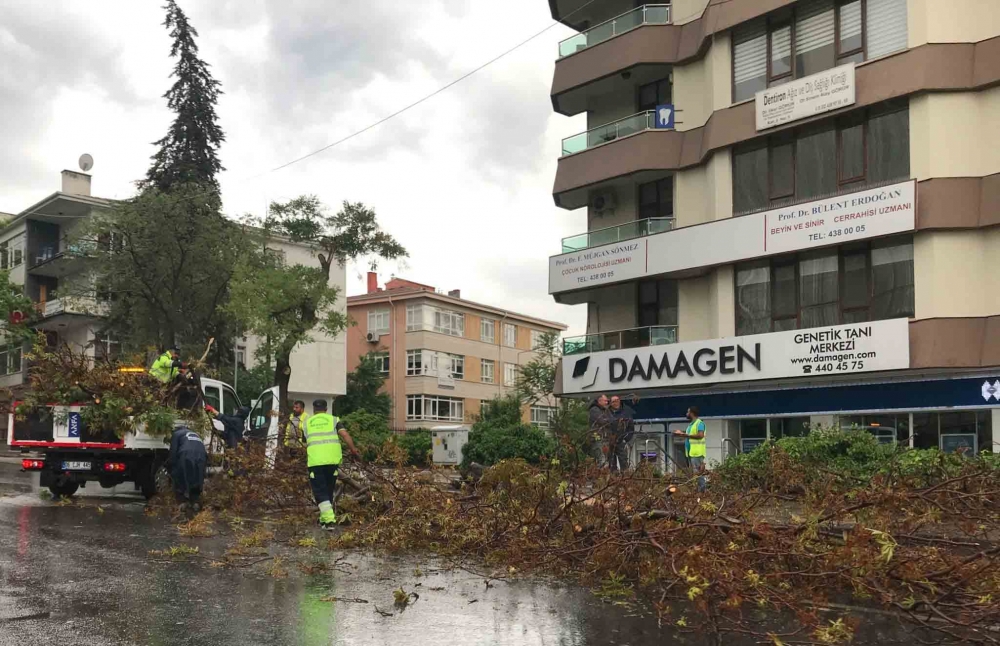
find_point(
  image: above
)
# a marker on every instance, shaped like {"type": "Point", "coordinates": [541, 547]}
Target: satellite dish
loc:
{"type": "Point", "coordinates": [86, 162]}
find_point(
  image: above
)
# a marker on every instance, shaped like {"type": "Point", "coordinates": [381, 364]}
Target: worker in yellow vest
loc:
{"type": "Point", "coordinates": [294, 439]}
{"type": "Point", "coordinates": [323, 434]}
{"type": "Point", "coordinates": [694, 445]}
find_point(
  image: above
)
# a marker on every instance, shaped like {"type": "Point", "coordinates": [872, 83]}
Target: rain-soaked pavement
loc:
{"type": "Point", "coordinates": [82, 575]}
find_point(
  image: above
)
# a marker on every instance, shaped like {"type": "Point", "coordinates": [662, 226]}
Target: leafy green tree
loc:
{"type": "Point", "coordinates": [536, 379]}
{"type": "Point", "coordinates": [364, 384]}
{"type": "Point", "coordinates": [286, 303]}
{"type": "Point", "coordinates": [369, 432]}
{"type": "Point", "coordinates": [188, 154]}
{"type": "Point", "coordinates": [163, 263]}
{"type": "Point", "coordinates": [250, 382]}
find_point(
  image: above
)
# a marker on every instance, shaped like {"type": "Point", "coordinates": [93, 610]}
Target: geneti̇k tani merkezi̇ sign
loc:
{"type": "Point", "coordinates": [836, 350]}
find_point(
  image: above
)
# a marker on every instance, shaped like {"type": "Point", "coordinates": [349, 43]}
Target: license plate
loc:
{"type": "Point", "coordinates": [76, 466]}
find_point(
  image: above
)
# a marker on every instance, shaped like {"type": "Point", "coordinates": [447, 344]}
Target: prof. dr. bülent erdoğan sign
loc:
{"type": "Point", "coordinates": [817, 352]}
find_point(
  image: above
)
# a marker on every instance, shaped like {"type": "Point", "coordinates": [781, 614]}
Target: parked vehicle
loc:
{"type": "Point", "coordinates": [73, 455]}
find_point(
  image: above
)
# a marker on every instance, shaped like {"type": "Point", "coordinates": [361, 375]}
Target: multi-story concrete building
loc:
{"type": "Point", "coordinates": [791, 214]}
{"type": "Point", "coordinates": [442, 355]}
{"type": "Point", "coordinates": [37, 247]}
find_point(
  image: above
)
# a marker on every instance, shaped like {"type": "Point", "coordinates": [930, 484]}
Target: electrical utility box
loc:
{"type": "Point", "coordinates": [447, 443]}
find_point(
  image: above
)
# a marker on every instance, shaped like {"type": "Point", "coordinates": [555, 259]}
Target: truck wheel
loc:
{"type": "Point", "coordinates": [155, 482]}
{"type": "Point", "coordinates": [63, 489]}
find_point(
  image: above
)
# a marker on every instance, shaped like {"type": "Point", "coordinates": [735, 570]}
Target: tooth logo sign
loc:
{"type": "Point", "coordinates": [991, 390]}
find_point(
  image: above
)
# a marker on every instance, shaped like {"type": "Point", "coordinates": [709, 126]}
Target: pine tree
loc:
{"type": "Point", "coordinates": [188, 154]}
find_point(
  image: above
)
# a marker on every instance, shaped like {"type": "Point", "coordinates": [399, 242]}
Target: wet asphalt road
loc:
{"type": "Point", "coordinates": [77, 575]}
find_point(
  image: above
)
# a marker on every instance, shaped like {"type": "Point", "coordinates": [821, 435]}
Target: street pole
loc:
{"type": "Point", "coordinates": [236, 368]}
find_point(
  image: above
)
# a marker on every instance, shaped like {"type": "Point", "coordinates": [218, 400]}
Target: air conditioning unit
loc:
{"type": "Point", "coordinates": [372, 337]}
{"type": "Point", "coordinates": [603, 203]}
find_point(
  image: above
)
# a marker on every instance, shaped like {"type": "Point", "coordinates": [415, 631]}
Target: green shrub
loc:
{"type": "Point", "coordinates": [369, 432]}
{"type": "Point", "coordinates": [839, 456]}
{"type": "Point", "coordinates": [489, 444]}
{"type": "Point", "coordinates": [417, 444]}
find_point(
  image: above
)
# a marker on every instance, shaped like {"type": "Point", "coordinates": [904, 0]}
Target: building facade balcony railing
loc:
{"type": "Point", "coordinates": [640, 337]}
{"type": "Point", "coordinates": [618, 233]}
{"type": "Point", "coordinates": [609, 132]}
{"type": "Point", "coordinates": [651, 14]}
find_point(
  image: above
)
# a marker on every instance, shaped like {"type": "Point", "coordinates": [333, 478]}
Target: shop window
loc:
{"type": "Point", "coordinates": [789, 427]}
{"type": "Point", "coordinates": [753, 433]}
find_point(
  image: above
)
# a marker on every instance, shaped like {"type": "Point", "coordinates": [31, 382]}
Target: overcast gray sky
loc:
{"type": "Point", "coordinates": [463, 181]}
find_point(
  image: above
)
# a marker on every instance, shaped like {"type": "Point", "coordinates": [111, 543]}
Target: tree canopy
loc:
{"type": "Point", "coordinates": [188, 153]}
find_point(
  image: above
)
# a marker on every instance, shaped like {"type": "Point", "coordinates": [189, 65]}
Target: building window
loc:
{"type": "Point", "coordinates": [378, 321]}
{"type": "Point", "coordinates": [654, 94]}
{"type": "Point", "coordinates": [846, 285]}
{"type": "Point", "coordinates": [429, 407]}
{"type": "Point", "coordinates": [456, 365]}
{"type": "Point", "coordinates": [814, 36]}
{"type": "Point", "coordinates": [656, 199]}
{"type": "Point", "coordinates": [382, 361]}
{"type": "Point", "coordinates": [488, 371]}
{"type": "Point", "coordinates": [241, 355]}
{"type": "Point", "coordinates": [789, 427]}
{"type": "Point", "coordinates": [12, 253]}
{"type": "Point", "coordinates": [448, 322]}
{"type": "Point", "coordinates": [509, 335]}
{"type": "Point", "coordinates": [415, 363]}
{"type": "Point", "coordinates": [10, 358]}
{"type": "Point", "coordinates": [537, 339]}
{"type": "Point", "coordinates": [657, 303]}
{"type": "Point", "coordinates": [107, 348]}
{"type": "Point", "coordinates": [541, 416]}
{"type": "Point", "coordinates": [488, 330]}
{"type": "Point", "coordinates": [414, 317]}
{"type": "Point", "coordinates": [866, 149]}
{"type": "Point", "coordinates": [509, 374]}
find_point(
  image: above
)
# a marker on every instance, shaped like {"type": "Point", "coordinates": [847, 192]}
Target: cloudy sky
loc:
{"type": "Point", "coordinates": [463, 180]}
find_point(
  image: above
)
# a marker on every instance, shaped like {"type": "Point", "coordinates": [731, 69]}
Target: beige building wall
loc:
{"type": "Point", "coordinates": [955, 273]}
{"type": "Point", "coordinates": [951, 21]}
{"type": "Point", "coordinates": [954, 135]}
{"type": "Point", "coordinates": [704, 193]}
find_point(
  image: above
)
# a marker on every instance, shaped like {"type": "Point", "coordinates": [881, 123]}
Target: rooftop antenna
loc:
{"type": "Point", "coordinates": [86, 162]}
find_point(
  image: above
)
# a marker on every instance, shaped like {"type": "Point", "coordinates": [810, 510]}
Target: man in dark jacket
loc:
{"type": "Point", "coordinates": [187, 462]}
{"type": "Point", "coordinates": [232, 425]}
{"type": "Point", "coordinates": [622, 430]}
{"type": "Point", "coordinates": [600, 425]}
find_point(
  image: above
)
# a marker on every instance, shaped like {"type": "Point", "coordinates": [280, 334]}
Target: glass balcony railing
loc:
{"type": "Point", "coordinates": [640, 337]}
{"type": "Point", "coordinates": [627, 231]}
{"type": "Point", "coordinates": [609, 132]}
{"type": "Point", "coordinates": [651, 14]}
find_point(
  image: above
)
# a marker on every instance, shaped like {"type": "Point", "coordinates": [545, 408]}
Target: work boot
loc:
{"type": "Point", "coordinates": [328, 527]}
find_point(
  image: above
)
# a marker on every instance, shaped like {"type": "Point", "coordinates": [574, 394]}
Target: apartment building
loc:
{"type": "Point", "coordinates": [41, 249]}
{"type": "Point", "coordinates": [442, 355]}
{"type": "Point", "coordinates": [791, 214]}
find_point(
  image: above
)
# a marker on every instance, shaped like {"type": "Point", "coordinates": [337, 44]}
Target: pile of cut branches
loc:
{"type": "Point", "coordinates": [924, 549]}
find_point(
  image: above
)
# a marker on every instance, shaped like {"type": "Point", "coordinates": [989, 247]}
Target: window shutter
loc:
{"type": "Point", "coordinates": [814, 26]}
{"type": "Point", "coordinates": [750, 52]}
{"type": "Point", "coordinates": [850, 21]}
{"type": "Point", "coordinates": [886, 21]}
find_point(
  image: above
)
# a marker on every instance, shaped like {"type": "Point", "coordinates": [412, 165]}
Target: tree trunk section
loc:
{"type": "Point", "coordinates": [282, 376]}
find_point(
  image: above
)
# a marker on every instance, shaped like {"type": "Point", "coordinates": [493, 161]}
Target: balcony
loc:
{"type": "Point", "coordinates": [652, 14]}
{"type": "Point", "coordinates": [639, 337]}
{"type": "Point", "coordinates": [608, 235]}
{"type": "Point", "coordinates": [609, 132]}
{"type": "Point", "coordinates": [56, 312]}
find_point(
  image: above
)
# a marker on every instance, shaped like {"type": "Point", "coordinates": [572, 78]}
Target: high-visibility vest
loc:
{"type": "Point", "coordinates": [293, 434]}
{"type": "Point", "coordinates": [322, 440]}
{"type": "Point", "coordinates": [696, 448]}
{"type": "Point", "coordinates": [163, 368]}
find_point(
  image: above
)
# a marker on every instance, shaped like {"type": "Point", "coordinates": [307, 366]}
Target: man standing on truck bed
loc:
{"type": "Point", "coordinates": [323, 433]}
{"type": "Point", "coordinates": [187, 462]}
{"type": "Point", "coordinates": [167, 366]}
